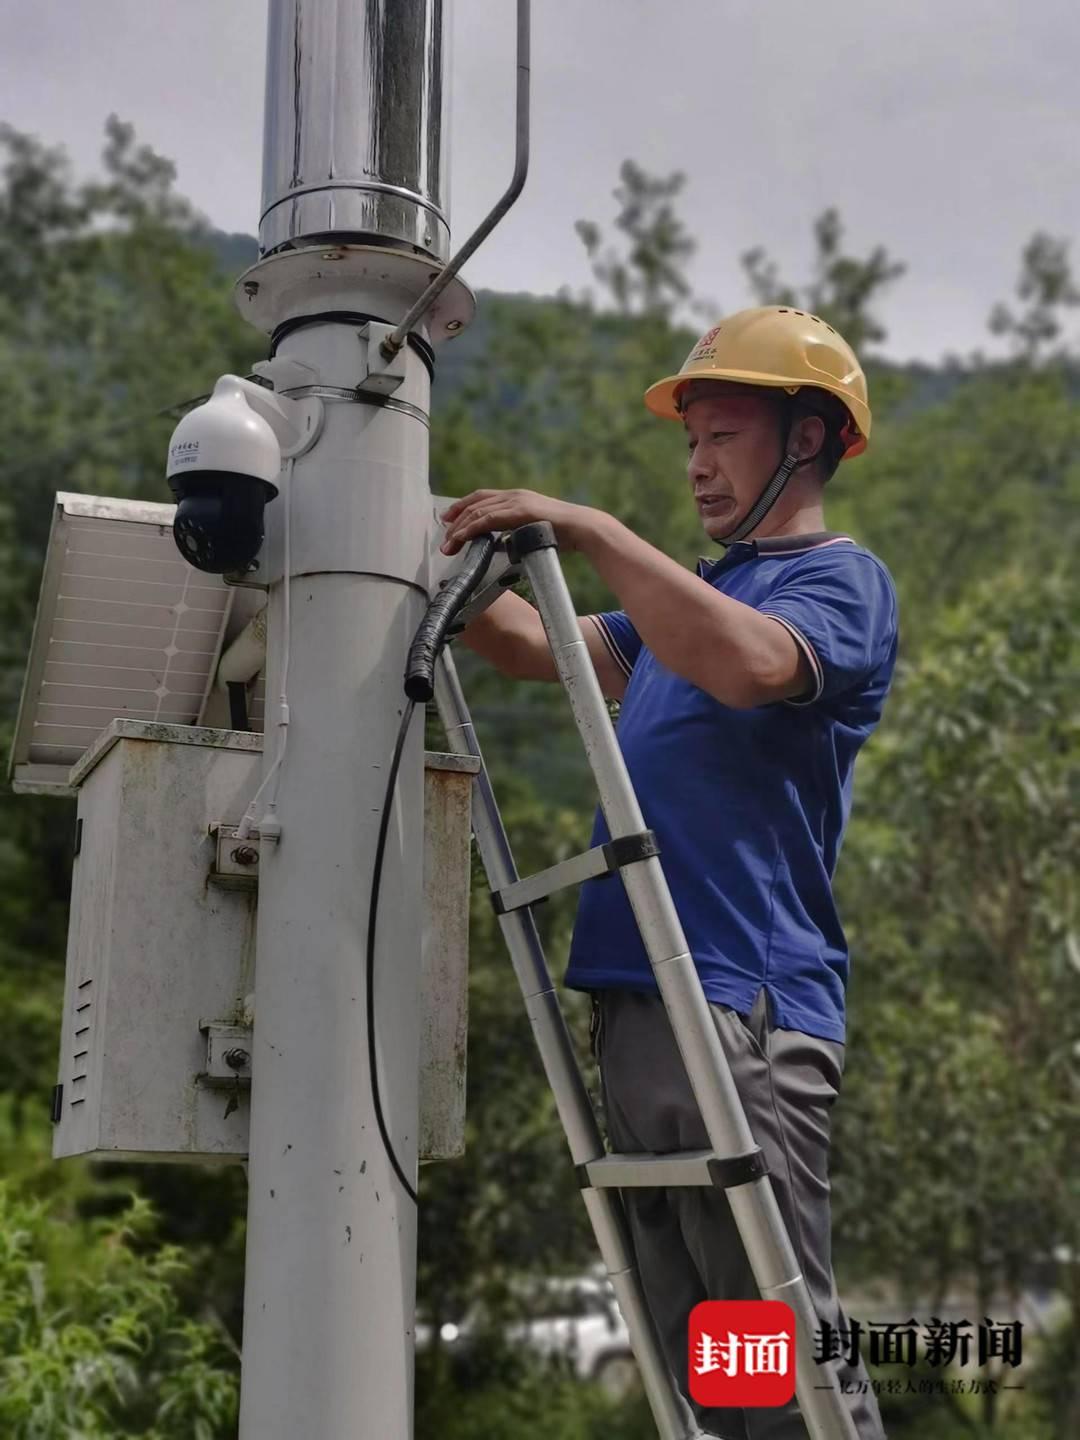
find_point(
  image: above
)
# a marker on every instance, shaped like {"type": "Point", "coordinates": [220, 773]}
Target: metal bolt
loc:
{"type": "Point", "coordinates": [251, 287]}
{"type": "Point", "coordinates": [237, 1059]}
{"type": "Point", "coordinates": [245, 855]}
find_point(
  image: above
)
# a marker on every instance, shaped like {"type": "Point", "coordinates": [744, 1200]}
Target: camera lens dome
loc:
{"type": "Point", "coordinates": [219, 519]}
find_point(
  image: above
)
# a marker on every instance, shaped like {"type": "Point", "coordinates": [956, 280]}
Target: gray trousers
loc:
{"type": "Point", "coordinates": [685, 1241]}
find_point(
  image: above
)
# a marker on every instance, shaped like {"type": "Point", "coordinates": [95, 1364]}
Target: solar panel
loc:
{"type": "Point", "coordinates": [126, 629]}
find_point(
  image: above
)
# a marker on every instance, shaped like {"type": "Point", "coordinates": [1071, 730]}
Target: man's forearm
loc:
{"type": "Point", "coordinates": [507, 635]}
{"type": "Point", "coordinates": [724, 647]}
{"type": "Point", "coordinates": [717, 643]}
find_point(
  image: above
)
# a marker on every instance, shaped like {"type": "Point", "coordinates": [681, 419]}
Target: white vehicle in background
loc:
{"type": "Point", "coordinates": [572, 1318]}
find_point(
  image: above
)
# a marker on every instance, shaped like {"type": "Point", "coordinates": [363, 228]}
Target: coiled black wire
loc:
{"type": "Point", "coordinates": [419, 687]}
{"type": "Point", "coordinates": [432, 631]}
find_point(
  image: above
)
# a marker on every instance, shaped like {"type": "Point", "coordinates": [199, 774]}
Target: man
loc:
{"type": "Point", "coordinates": [747, 690]}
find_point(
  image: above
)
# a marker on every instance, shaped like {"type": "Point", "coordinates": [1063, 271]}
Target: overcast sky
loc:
{"type": "Point", "coordinates": [946, 129]}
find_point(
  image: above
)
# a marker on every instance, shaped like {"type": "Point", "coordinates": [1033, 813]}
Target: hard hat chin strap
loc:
{"type": "Point", "coordinates": [775, 488]}
{"type": "Point", "coordinates": [764, 503]}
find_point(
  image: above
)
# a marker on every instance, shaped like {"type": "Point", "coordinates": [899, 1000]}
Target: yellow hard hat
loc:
{"type": "Point", "coordinates": [779, 347]}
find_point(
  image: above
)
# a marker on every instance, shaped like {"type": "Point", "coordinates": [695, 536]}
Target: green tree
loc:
{"type": "Point", "coordinates": [92, 1339]}
{"type": "Point", "coordinates": [649, 278]}
{"type": "Point", "coordinates": [842, 288]}
{"type": "Point", "coordinates": [958, 1147]}
{"type": "Point", "coordinates": [983, 477]}
{"type": "Point", "coordinates": [1047, 290]}
{"type": "Point", "coordinates": [954, 886]}
{"type": "Point", "coordinates": [112, 309]}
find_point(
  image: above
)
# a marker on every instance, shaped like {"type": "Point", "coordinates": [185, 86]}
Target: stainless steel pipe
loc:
{"type": "Point", "coordinates": [356, 137]}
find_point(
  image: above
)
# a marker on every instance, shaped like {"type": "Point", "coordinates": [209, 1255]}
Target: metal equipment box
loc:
{"type": "Point", "coordinates": [160, 992]}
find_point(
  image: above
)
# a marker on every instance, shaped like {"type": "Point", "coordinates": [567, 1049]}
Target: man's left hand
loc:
{"type": "Point", "coordinates": [493, 511]}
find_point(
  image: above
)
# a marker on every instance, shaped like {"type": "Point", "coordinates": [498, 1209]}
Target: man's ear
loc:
{"type": "Point", "coordinates": [809, 437]}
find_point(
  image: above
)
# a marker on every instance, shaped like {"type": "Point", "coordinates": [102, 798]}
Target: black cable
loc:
{"type": "Point", "coordinates": [423, 652]}
{"type": "Point", "coordinates": [350, 317]}
{"type": "Point", "coordinates": [376, 878]}
{"type": "Point", "coordinates": [432, 631]}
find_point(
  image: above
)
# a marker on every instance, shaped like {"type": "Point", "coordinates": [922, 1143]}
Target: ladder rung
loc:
{"type": "Point", "coordinates": [600, 861]}
{"type": "Point", "coordinates": [682, 1167]}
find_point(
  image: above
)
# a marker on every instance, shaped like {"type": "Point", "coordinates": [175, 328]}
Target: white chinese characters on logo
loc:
{"type": "Point", "coordinates": [761, 1354]}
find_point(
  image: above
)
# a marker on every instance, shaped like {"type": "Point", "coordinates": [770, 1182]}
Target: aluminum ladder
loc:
{"type": "Point", "coordinates": [735, 1162]}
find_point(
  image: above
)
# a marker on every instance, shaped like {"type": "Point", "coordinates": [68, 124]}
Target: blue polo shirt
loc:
{"type": "Point", "coordinates": [750, 806]}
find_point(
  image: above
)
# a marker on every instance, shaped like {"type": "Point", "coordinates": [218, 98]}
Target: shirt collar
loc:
{"type": "Point", "coordinates": [771, 545]}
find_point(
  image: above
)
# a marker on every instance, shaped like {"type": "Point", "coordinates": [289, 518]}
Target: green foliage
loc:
{"type": "Point", "coordinates": [649, 279]}
{"type": "Point", "coordinates": [112, 310]}
{"type": "Point", "coordinates": [842, 288]}
{"type": "Point", "coordinates": [986, 478]}
{"type": "Point", "coordinates": [965, 927]}
{"type": "Point", "coordinates": [957, 1150]}
{"type": "Point", "coordinates": [92, 1339]}
{"type": "Point", "coordinates": [1046, 286]}
{"type": "Point", "coordinates": [956, 1143]}
{"type": "Point", "coordinates": [515, 1397]}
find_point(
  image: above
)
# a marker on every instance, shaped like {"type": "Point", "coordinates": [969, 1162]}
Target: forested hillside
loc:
{"type": "Point", "coordinates": [957, 1151]}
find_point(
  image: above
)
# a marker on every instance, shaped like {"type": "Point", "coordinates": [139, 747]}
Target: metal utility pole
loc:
{"type": "Point", "coordinates": [354, 232]}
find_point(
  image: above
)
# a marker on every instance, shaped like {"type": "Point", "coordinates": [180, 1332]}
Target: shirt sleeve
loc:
{"type": "Point", "coordinates": [840, 608]}
{"type": "Point", "coordinates": [620, 637]}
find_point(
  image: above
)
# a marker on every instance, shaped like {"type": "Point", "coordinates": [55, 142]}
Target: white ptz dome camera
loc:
{"type": "Point", "coordinates": [224, 464]}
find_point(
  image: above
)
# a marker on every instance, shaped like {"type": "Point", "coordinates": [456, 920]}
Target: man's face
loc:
{"type": "Point", "coordinates": [733, 444]}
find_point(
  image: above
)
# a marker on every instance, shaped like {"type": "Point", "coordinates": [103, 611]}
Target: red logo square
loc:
{"type": "Point", "coordinates": [742, 1352]}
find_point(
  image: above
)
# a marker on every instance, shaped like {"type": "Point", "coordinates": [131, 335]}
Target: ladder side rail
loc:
{"type": "Point", "coordinates": [604, 1208]}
